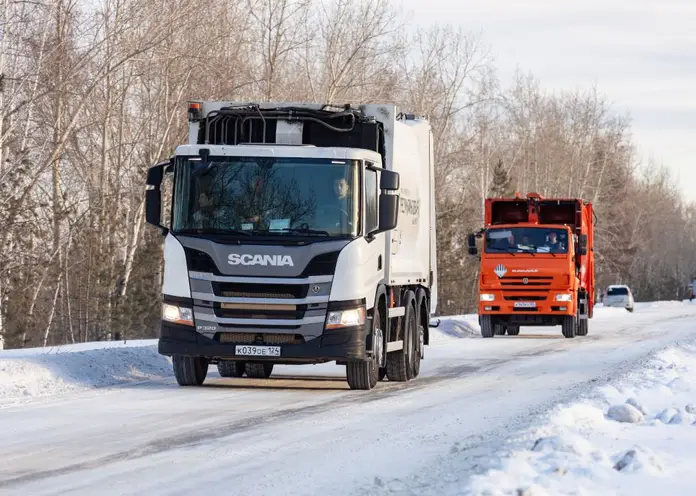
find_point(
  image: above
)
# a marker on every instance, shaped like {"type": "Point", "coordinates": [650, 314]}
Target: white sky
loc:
{"type": "Point", "coordinates": [640, 53]}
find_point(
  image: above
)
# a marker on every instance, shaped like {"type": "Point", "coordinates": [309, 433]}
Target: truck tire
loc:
{"type": "Point", "coordinates": [364, 374]}
{"type": "Point", "coordinates": [513, 330]}
{"type": "Point", "coordinates": [583, 326]}
{"type": "Point", "coordinates": [499, 330]}
{"type": "Point", "coordinates": [399, 363]}
{"type": "Point", "coordinates": [189, 371]}
{"type": "Point", "coordinates": [487, 330]}
{"type": "Point", "coordinates": [258, 370]}
{"type": "Point", "coordinates": [230, 368]}
{"type": "Point", "coordinates": [569, 326]}
{"type": "Point", "coordinates": [418, 345]}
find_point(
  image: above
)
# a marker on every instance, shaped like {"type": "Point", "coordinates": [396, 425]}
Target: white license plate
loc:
{"type": "Point", "coordinates": [525, 304]}
{"type": "Point", "coordinates": [250, 350]}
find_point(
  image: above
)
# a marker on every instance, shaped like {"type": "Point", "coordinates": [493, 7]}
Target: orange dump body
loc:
{"type": "Point", "coordinates": [537, 260]}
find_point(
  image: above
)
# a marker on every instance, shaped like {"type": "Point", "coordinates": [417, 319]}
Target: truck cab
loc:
{"type": "Point", "coordinates": [293, 239]}
{"type": "Point", "coordinates": [537, 265]}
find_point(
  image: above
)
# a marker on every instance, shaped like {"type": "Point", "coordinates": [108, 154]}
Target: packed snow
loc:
{"type": "Point", "coordinates": [633, 436]}
{"type": "Point", "coordinates": [531, 414]}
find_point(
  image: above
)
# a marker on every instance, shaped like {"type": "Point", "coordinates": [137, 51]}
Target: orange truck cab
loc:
{"type": "Point", "coordinates": [537, 264]}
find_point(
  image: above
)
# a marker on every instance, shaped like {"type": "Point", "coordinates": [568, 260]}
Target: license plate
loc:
{"type": "Point", "coordinates": [248, 350]}
{"type": "Point", "coordinates": [525, 304]}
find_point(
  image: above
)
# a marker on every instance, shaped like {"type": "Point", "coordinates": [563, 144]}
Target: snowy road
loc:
{"type": "Point", "coordinates": [303, 432]}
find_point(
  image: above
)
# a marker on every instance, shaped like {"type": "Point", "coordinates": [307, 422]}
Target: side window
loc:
{"type": "Point", "coordinates": [371, 214]}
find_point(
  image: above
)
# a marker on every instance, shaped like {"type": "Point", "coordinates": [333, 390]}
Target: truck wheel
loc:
{"type": "Point", "coordinates": [399, 363]}
{"type": "Point", "coordinates": [230, 368]}
{"type": "Point", "coordinates": [499, 330]}
{"type": "Point", "coordinates": [364, 374]}
{"type": "Point", "coordinates": [569, 326]}
{"type": "Point", "coordinates": [258, 370]}
{"type": "Point", "coordinates": [190, 371]}
{"type": "Point", "coordinates": [513, 330]}
{"type": "Point", "coordinates": [487, 330]}
{"type": "Point", "coordinates": [582, 327]}
{"type": "Point", "coordinates": [418, 345]}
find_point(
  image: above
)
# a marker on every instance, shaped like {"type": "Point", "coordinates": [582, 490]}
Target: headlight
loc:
{"type": "Point", "coordinates": [176, 314]}
{"type": "Point", "coordinates": [349, 317]}
{"type": "Point", "coordinates": [486, 297]}
{"type": "Point", "coordinates": [564, 297]}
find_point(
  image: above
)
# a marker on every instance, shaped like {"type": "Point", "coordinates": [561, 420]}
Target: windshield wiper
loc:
{"type": "Point", "coordinates": [213, 230]}
{"type": "Point", "coordinates": [298, 230]}
{"type": "Point", "coordinates": [508, 250]}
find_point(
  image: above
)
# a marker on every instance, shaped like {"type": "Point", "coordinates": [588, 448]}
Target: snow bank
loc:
{"type": "Point", "coordinates": [40, 372]}
{"type": "Point", "coordinates": [634, 436]}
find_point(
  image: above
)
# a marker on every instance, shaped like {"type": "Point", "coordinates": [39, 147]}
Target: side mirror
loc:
{"type": "Point", "coordinates": [388, 212]}
{"type": "Point", "coordinates": [582, 245]}
{"type": "Point", "coordinates": [153, 195]}
{"type": "Point", "coordinates": [388, 180]}
{"type": "Point", "coordinates": [471, 239]}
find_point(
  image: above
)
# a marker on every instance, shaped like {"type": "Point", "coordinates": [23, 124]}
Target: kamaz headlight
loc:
{"type": "Point", "coordinates": [177, 314]}
{"type": "Point", "coordinates": [564, 297]}
{"type": "Point", "coordinates": [486, 297]}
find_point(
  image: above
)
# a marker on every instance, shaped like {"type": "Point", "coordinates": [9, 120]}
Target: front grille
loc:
{"type": "Point", "coordinates": [250, 290]}
{"type": "Point", "coordinates": [262, 312]}
{"type": "Point", "coordinates": [524, 297]}
{"type": "Point", "coordinates": [518, 281]}
{"type": "Point", "coordinates": [259, 338]}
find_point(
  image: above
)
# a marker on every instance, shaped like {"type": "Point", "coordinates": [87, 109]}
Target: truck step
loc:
{"type": "Point", "coordinates": [396, 312]}
{"type": "Point", "coordinates": [395, 345]}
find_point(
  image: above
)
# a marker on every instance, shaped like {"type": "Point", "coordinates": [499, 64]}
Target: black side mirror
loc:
{"type": "Point", "coordinates": [471, 241]}
{"type": "Point", "coordinates": [153, 195]}
{"type": "Point", "coordinates": [388, 180]}
{"type": "Point", "coordinates": [582, 245]}
{"type": "Point", "coordinates": [388, 212]}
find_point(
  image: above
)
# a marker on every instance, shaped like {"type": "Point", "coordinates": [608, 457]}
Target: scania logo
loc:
{"type": "Point", "coordinates": [248, 259]}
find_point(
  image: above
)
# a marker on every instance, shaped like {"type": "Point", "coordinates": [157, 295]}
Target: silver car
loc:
{"type": "Point", "coordinates": [618, 295]}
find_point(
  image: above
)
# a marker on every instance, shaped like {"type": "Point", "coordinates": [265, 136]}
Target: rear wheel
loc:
{"type": "Point", "coordinates": [364, 374]}
{"type": "Point", "coordinates": [399, 363]}
{"type": "Point", "coordinates": [499, 330]}
{"type": "Point", "coordinates": [487, 330]}
{"type": "Point", "coordinates": [258, 370]}
{"type": "Point", "coordinates": [230, 368]}
{"type": "Point", "coordinates": [513, 330]}
{"type": "Point", "coordinates": [569, 326]}
{"type": "Point", "coordinates": [190, 371]}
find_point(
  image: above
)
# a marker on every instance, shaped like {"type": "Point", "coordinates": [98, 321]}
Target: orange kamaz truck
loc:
{"type": "Point", "coordinates": [537, 264]}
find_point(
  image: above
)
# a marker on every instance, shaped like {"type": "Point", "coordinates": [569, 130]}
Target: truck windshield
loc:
{"type": "Point", "coordinates": [261, 196]}
{"type": "Point", "coordinates": [526, 239]}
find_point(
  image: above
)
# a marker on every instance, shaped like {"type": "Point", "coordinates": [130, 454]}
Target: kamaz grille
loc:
{"type": "Point", "coordinates": [260, 338]}
{"type": "Point", "coordinates": [524, 297]}
{"type": "Point", "coordinates": [529, 281]}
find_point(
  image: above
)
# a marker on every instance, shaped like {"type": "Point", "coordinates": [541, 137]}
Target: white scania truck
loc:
{"type": "Point", "coordinates": [299, 233]}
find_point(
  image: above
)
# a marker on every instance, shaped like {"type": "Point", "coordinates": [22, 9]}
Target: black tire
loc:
{"type": "Point", "coordinates": [382, 373]}
{"type": "Point", "coordinates": [399, 363]}
{"type": "Point", "coordinates": [364, 374]}
{"type": "Point", "coordinates": [231, 368]}
{"type": "Point", "coordinates": [189, 371]}
{"type": "Point", "coordinates": [487, 330]}
{"type": "Point", "coordinates": [499, 330]}
{"type": "Point", "coordinates": [583, 327]}
{"type": "Point", "coordinates": [417, 340]}
{"type": "Point", "coordinates": [513, 330]}
{"type": "Point", "coordinates": [569, 326]}
{"type": "Point", "coordinates": [258, 370]}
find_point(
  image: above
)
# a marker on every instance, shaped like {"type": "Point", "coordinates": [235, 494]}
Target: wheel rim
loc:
{"type": "Point", "coordinates": [377, 346]}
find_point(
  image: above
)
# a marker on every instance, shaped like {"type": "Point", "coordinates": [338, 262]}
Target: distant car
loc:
{"type": "Point", "coordinates": [618, 295]}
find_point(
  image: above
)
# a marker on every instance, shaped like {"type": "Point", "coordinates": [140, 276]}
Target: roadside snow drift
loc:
{"type": "Point", "coordinates": [635, 436]}
{"type": "Point", "coordinates": [42, 372]}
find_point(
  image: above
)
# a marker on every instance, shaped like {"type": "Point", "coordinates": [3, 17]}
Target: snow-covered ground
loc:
{"type": "Point", "coordinates": [635, 435]}
{"type": "Point", "coordinates": [108, 418]}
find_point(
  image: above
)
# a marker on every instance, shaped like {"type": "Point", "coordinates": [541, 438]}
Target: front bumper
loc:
{"type": "Point", "coordinates": [338, 344]}
{"type": "Point", "coordinates": [502, 304]}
